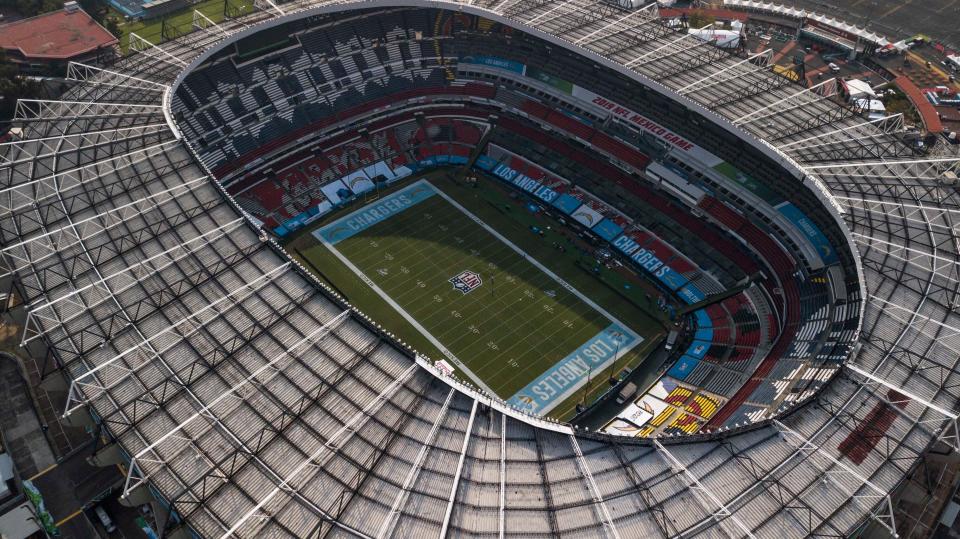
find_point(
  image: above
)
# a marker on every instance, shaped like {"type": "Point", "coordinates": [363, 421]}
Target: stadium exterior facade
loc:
{"type": "Point", "coordinates": [255, 403]}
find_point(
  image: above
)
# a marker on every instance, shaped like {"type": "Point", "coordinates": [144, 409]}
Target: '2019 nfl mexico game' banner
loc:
{"type": "Point", "coordinates": [571, 373]}
{"type": "Point", "coordinates": [647, 125]}
{"type": "Point", "coordinates": [364, 218]}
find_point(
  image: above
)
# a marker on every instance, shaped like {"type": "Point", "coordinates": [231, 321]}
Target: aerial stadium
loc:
{"type": "Point", "coordinates": [364, 269]}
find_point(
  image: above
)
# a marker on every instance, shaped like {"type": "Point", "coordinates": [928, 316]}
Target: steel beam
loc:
{"type": "Point", "coordinates": [51, 242]}
{"type": "Point", "coordinates": [609, 526]}
{"type": "Point", "coordinates": [386, 530]}
{"type": "Point", "coordinates": [949, 435]}
{"type": "Point", "coordinates": [703, 493]}
{"type": "Point", "coordinates": [459, 471]}
{"type": "Point", "coordinates": [77, 397]}
{"type": "Point", "coordinates": [883, 515]}
{"type": "Point", "coordinates": [325, 452]}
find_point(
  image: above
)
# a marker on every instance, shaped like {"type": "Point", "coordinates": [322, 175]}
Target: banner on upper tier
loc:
{"type": "Point", "coordinates": [703, 320]}
{"type": "Point", "coordinates": [648, 261]}
{"type": "Point", "coordinates": [564, 86]}
{"type": "Point", "coordinates": [566, 203]}
{"type": "Point", "coordinates": [333, 191]}
{"type": "Point", "coordinates": [704, 334]}
{"type": "Point", "coordinates": [367, 216]}
{"type": "Point", "coordinates": [358, 182]}
{"type": "Point", "coordinates": [607, 229]}
{"type": "Point", "coordinates": [698, 349]}
{"type": "Point", "coordinates": [810, 231]}
{"type": "Point", "coordinates": [691, 294]}
{"type": "Point", "coordinates": [671, 278]}
{"type": "Point", "coordinates": [647, 125]}
{"type": "Point", "coordinates": [572, 372]}
{"type": "Point", "coordinates": [485, 162]}
{"type": "Point", "coordinates": [587, 216]}
{"type": "Point", "coordinates": [494, 61]}
{"type": "Point", "coordinates": [524, 182]}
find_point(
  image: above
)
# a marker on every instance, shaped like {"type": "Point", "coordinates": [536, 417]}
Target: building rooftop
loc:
{"type": "Point", "coordinates": [59, 35]}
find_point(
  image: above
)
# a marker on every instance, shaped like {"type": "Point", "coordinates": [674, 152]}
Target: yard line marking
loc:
{"type": "Point", "coordinates": [536, 263]}
{"type": "Point", "coordinates": [534, 278]}
{"type": "Point", "coordinates": [429, 312]}
{"type": "Point", "coordinates": [509, 258]}
{"type": "Point", "coordinates": [637, 339]}
{"type": "Point", "coordinates": [413, 321]}
{"type": "Point", "coordinates": [386, 297]}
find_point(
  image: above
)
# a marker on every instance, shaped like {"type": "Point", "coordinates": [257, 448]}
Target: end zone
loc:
{"type": "Point", "coordinates": [367, 216]}
{"type": "Point", "coordinates": [572, 372]}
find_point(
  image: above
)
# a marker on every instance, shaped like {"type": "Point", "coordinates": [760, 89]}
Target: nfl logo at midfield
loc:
{"type": "Point", "coordinates": [466, 281]}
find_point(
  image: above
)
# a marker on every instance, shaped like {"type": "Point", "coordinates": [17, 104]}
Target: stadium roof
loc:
{"type": "Point", "coordinates": [258, 403]}
{"type": "Point", "coordinates": [59, 35]}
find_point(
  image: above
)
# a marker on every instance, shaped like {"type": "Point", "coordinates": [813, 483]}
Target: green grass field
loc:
{"type": "Point", "coordinates": [179, 22]}
{"type": "Point", "coordinates": [520, 325]}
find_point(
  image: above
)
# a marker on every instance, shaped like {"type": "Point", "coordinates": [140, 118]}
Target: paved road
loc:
{"type": "Point", "coordinates": [896, 19]}
{"type": "Point", "coordinates": [73, 485]}
{"type": "Point", "coordinates": [18, 421]}
{"type": "Point", "coordinates": [68, 486]}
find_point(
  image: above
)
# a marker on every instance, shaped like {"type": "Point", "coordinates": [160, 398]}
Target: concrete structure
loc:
{"type": "Point", "coordinates": [39, 43]}
{"type": "Point", "coordinates": [254, 402]}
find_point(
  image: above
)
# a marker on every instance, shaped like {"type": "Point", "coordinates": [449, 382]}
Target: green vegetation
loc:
{"type": "Point", "coordinates": [101, 12]}
{"type": "Point", "coordinates": [12, 88]}
{"type": "Point", "coordinates": [181, 22]}
{"type": "Point", "coordinates": [518, 314]}
{"type": "Point", "coordinates": [698, 19]}
{"type": "Point", "coordinates": [30, 8]}
{"type": "Point", "coordinates": [898, 102]}
{"type": "Point", "coordinates": [513, 327]}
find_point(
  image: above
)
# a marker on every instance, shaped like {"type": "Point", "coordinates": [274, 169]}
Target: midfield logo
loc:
{"type": "Point", "coordinates": [466, 281]}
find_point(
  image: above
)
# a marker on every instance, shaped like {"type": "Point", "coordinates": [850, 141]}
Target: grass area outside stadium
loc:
{"type": "Point", "coordinates": [518, 325]}
{"type": "Point", "coordinates": [179, 22]}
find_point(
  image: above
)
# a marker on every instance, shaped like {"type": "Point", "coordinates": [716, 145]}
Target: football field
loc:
{"type": "Point", "coordinates": [499, 316]}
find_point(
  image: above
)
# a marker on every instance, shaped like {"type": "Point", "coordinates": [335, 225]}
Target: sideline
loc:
{"type": "Point", "coordinates": [637, 339]}
{"type": "Point", "coordinates": [386, 297]}
{"type": "Point", "coordinates": [413, 321]}
{"type": "Point", "coordinates": [576, 386]}
{"type": "Point", "coordinates": [536, 263]}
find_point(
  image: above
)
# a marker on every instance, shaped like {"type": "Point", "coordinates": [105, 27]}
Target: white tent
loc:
{"type": "Point", "coordinates": [721, 38]}
{"type": "Point", "coordinates": [794, 13]}
{"type": "Point", "coordinates": [871, 105]}
{"type": "Point", "coordinates": [859, 89]}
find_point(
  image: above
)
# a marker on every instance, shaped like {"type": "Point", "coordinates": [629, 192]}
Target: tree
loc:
{"type": "Point", "coordinates": [100, 12]}
{"type": "Point", "coordinates": [29, 8]}
{"type": "Point", "coordinates": [12, 88]}
{"type": "Point", "coordinates": [698, 19]}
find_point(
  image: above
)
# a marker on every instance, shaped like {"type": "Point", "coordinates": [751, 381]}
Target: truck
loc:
{"type": "Point", "coordinates": [671, 340]}
{"type": "Point", "coordinates": [627, 393]}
